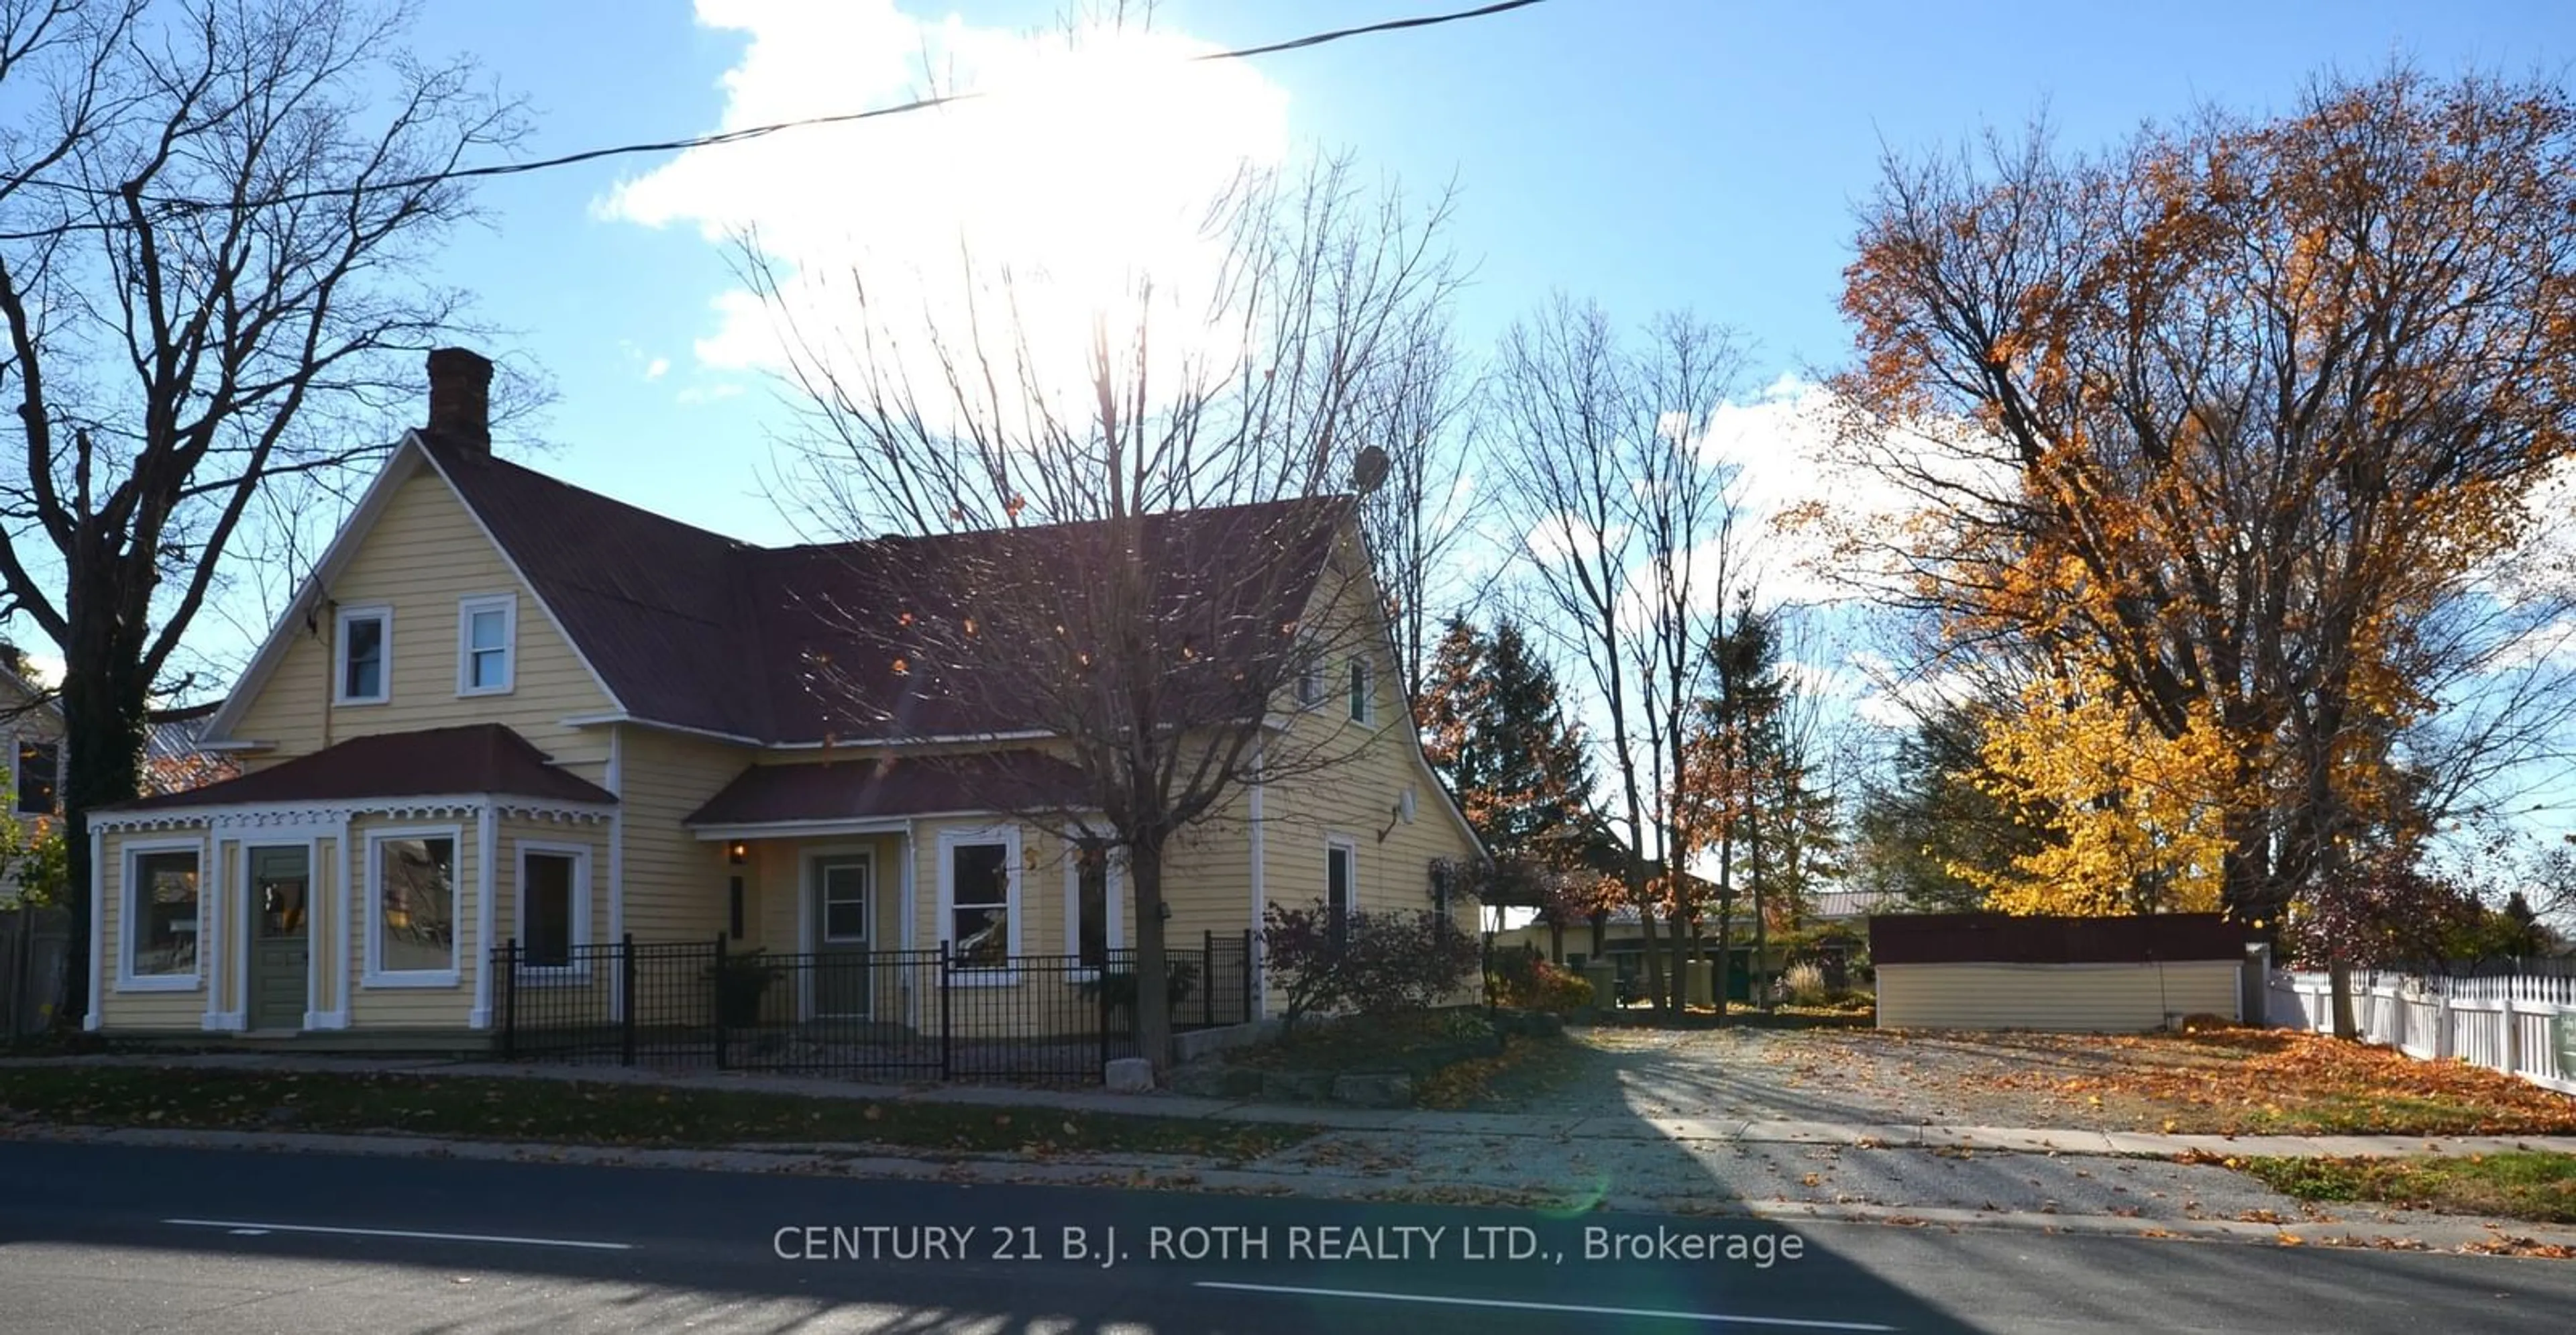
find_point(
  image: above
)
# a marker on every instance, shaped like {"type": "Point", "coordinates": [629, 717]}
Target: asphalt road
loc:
{"type": "Point", "coordinates": [97, 1238]}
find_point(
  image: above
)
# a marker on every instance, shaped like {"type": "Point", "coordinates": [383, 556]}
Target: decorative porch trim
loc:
{"type": "Point", "coordinates": [274, 816]}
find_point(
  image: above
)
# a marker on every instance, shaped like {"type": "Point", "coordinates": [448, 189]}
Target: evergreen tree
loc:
{"type": "Point", "coordinates": [1929, 816]}
{"type": "Point", "coordinates": [1494, 726]}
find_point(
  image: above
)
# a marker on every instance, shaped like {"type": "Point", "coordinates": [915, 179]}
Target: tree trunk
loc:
{"type": "Point", "coordinates": [1760, 988]}
{"type": "Point", "coordinates": [103, 726]}
{"type": "Point", "coordinates": [1153, 991]}
{"type": "Point", "coordinates": [1556, 940]}
{"type": "Point", "coordinates": [2339, 986]}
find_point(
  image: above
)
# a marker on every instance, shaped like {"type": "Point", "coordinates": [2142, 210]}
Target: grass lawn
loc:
{"type": "Point", "coordinates": [577, 1112]}
{"type": "Point", "coordinates": [2523, 1185]}
{"type": "Point", "coordinates": [2258, 1081]}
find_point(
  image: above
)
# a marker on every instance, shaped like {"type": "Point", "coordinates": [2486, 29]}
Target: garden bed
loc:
{"type": "Point", "coordinates": [1368, 1061]}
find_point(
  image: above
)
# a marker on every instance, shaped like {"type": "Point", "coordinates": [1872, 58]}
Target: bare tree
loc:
{"type": "Point", "coordinates": [1624, 510]}
{"type": "Point", "coordinates": [1166, 555]}
{"type": "Point", "coordinates": [1418, 522]}
{"type": "Point", "coordinates": [210, 230]}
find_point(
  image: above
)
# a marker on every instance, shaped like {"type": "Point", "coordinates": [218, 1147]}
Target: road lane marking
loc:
{"type": "Point", "coordinates": [246, 1229]}
{"type": "Point", "coordinates": [1714, 1318]}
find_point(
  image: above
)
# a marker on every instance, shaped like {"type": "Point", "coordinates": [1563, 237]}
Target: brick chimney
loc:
{"type": "Point", "coordinates": [460, 398]}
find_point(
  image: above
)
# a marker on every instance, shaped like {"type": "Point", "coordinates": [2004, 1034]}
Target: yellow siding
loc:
{"type": "Point", "coordinates": [675, 882]}
{"type": "Point", "coordinates": [775, 880]}
{"type": "Point", "coordinates": [424, 554]}
{"type": "Point", "coordinates": [1340, 779]}
{"type": "Point", "coordinates": [380, 1006]}
{"type": "Point", "coordinates": [2106, 998]}
{"type": "Point", "coordinates": [130, 1011]}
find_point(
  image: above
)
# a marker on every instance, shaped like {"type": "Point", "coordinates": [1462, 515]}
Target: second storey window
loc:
{"type": "Point", "coordinates": [1359, 690]}
{"type": "Point", "coordinates": [366, 642]}
{"type": "Point", "coordinates": [39, 771]}
{"type": "Point", "coordinates": [486, 629]}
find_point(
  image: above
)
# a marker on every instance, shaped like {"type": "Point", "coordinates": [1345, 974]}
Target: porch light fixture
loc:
{"type": "Point", "coordinates": [736, 852]}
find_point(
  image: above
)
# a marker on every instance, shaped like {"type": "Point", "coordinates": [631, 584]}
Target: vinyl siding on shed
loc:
{"type": "Point", "coordinates": [2100, 998]}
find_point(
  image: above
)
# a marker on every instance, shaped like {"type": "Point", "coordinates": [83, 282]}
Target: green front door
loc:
{"type": "Point", "coordinates": [280, 886]}
{"type": "Point", "coordinates": [842, 899]}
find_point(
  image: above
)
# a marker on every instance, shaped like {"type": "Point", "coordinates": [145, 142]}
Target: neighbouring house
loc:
{"type": "Point", "coordinates": [32, 722]}
{"type": "Point", "coordinates": [2113, 974]}
{"type": "Point", "coordinates": [507, 712]}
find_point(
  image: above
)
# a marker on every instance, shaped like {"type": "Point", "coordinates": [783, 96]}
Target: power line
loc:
{"type": "Point", "coordinates": [719, 138]}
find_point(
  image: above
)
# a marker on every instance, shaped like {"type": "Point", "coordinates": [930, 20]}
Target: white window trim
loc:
{"type": "Point", "coordinates": [126, 979]}
{"type": "Point", "coordinates": [866, 862]}
{"type": "Point", "coordinates": [579, 969]}
{"type": "Point", "coordinates": [374, 975]}
{"type": "Point", "coordinates": [507, 604]}
{"type": "Point", "coordinates": [1359, 686]}
{"type": "Point", "coordinates": [1341, 843]}
{"type": "Point", "coordinates": [16, 779]}
{"type": "Point", "coordinates": [1116, 895]}
{"type": "Point", "coordinates": [340, 654]}
{"type": "Point", "coordinates": [1008, 836]}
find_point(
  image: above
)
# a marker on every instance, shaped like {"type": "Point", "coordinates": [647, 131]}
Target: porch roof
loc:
{"type": "Point", "coordinates": [477, 758]}
{"type": "Point", "coordinates": [893, 787]}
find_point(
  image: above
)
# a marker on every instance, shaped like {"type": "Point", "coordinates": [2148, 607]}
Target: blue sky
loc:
{"type": "Point", "coordinates": [1645, 153]}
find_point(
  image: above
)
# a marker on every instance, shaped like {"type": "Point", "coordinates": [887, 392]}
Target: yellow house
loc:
{"type": "Point", "coordinates": [510, 725]}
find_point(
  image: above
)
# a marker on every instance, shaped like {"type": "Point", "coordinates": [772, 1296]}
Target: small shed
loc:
{"type": "Point", "coordinates": [2106, 975]}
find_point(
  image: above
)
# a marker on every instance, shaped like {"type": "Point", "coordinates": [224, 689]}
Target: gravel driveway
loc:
{"type": "Point", "coordinates": [1851, 1075]}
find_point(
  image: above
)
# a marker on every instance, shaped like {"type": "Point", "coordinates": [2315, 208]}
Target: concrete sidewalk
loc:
{"type": "Point", "coordinates": [1409, 1122]}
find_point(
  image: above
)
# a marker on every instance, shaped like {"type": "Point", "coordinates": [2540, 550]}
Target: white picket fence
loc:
{"type": "Point", "coordinates": [2506, 1023]}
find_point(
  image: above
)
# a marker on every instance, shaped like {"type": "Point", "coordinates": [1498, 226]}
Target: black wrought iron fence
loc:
{"type": "Point", "coordinates": [885, 1014]}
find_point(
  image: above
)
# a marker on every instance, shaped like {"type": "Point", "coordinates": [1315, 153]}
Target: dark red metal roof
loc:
{"type": "Point", "coordinates": [911, 786]}
{"type": "Point", "coordinates": [2001, 938]}
{"type": "Point", "coordinates": [805, 644]}
{"type": "Point", "coordinates": [478, 758]}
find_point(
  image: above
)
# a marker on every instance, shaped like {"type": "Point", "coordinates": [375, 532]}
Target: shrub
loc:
{"type": "Point", "coordinates": [1805, 984]}
{"type": "Point", "coordinates": [1526, 980]}
{"type": "Point", "coordinates": [1381, 963]}
{"type": "Point", "coordinates": [1117, 989]}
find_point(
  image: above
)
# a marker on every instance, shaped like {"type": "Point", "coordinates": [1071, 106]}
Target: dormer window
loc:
{"type": "Point", "coordinates": [366, 640]}
{"type": "Point", "coordinates": [486, 644]}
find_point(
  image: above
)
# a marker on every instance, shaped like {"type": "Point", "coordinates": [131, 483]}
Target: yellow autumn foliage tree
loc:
{"type": "Point", "coordinates": [2137, 818]}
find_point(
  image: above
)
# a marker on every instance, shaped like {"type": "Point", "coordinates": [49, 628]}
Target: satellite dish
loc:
{"type": "Point", "coordinates": [1404, 806]}
{"type": "Point", "coordinates": [1368, 471]}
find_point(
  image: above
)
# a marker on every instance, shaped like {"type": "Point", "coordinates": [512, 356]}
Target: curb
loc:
{"type": "Point", "coordinates": [1172, 1173]}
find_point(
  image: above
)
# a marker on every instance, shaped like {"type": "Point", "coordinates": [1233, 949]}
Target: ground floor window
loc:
{"type": "Point", "coordinates": [1091, 905]}
{"type": "Point", "coordinates": [980, 883]}
{"type": "Point", "coordinates": [412, 938]}
{"type": "Point", "coordinates": [554, 907]}
{"type": "Point", "coordinates": [161, 914]}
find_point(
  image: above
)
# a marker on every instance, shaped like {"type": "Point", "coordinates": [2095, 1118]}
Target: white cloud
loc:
{"type": "Point", "coordinates": [1084, 173]}
{"type": "Point", "coordinates": [657, 368]}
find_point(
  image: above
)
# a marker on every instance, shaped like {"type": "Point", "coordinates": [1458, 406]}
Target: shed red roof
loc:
{"type": "Point", "coordinates": [912, 786]}
{"type": "Point", "coordinates": [478, 758]}
{"type": "Point", "coordinates": [1960, 938]}
{"type": "Point", "coordinates": [692, 628]}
